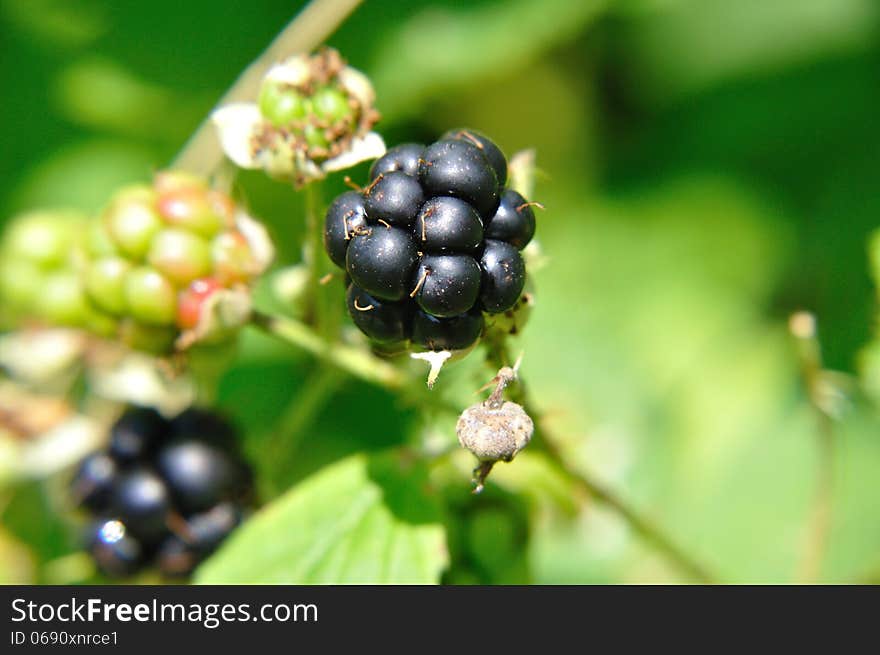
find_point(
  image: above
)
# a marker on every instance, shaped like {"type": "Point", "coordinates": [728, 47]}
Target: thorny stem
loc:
{"type": "Point", "coordinates": [803, 327]}
{"type": "Point", "coordinates": [498, 357]}
{"type": "Point", "coordinates": [308, 29]}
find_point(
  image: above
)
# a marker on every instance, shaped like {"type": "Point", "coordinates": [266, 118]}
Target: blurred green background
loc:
{"type": "Point", "coordinates": [708, 167]}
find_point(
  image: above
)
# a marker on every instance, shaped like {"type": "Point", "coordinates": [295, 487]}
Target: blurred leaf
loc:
{"type": "Point", "coordinates": [84, 176]}
{"type": "Point", "coordinates": [69, 23]}
{"type": "Point", "coordinates": [358, 521]}
{"type": "Point", "coordinates": [444, 48]}
{"type": "Point", "coordinates": [16, 561]}
{"type": "Point", "coordinates": [694, 44]}
{"type": "Point", "coordinates": [101, 93]}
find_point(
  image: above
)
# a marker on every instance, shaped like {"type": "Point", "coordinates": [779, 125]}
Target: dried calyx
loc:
{"type": "Point", "coordinates": [496, 429]}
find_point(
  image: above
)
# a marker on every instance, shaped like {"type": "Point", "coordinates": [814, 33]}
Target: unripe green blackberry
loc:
{"type": "Point", "coordinates": [161, 257]}
{"type": "Point", "coordinates": [313, 115]}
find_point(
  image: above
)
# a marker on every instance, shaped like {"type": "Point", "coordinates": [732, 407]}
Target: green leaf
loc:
{"type": "Point", "coordinates": [360, 521]}
{"type": "Point", "coordinates": [469, 43]}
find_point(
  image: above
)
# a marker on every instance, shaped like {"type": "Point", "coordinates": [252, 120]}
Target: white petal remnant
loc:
{"type": "Point", "coordinates": [436, 360]}
{"type": "Point", "coordinates": [40, 434]}
{"type": "Point", "coordinates": [258, 240]}
{"type": "Point", "coordinates": [314, 115]}
{"type": "Point", "coordinates": [139, 379]}
{"type": "Point", "coordinates": [39, 356]}
{"type": "Point", "coordinates": [237, 125]}
{"type": "Point", "coordinates": [369, 146]}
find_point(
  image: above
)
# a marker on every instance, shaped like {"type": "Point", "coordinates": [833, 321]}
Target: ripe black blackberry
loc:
{"type": "Point", "coordinates": [165, 492]}
{"type": "Point", "coordinates": [432, 243]}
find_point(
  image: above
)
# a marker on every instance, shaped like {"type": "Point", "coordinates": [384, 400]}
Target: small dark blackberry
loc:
{"type": "Point", "coordinates": [166, 496]}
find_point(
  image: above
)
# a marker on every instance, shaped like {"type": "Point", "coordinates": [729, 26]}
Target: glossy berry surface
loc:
{"type": "Point", "coordinates": [514, 222]}
{"type": "Point", "coordinates": [447, 284]}
{"type": "Point", "coordinates": [142, 502]}
{"type": "Point", "coordinates": [446, 224]}
{"type": "Point", "coordinates": [207, 426]}
{"type": "Point", "coordinates": [136, 434]}
{"type": "Point", "coordinates": [434, 245]}
{"type": "Point", "coordinates": [490, 150]}
{"type": "Point", "coordinates": [457, 168]}
{"type": "Point", "coordinates": [345, 217]}
{"type": "Point", "coordinates": [503, 276]}
{"type": "Point", "coordinates": [92, 484]}
{"type": "Point", "coordinates": [165, 492]}
{"type": "Point", "coordinates": [404, 157]}
{"type": "Point", "coordinates": [198, 474]}
{"type": "Point", "coordinates": [115, 552]}
{"type": "Point", "coordinates": [382, 321]}
{"type": "Point", "coordinates": [454, 333]}
{"type": "Point", "coordinates": [394, 198]}
{"type": "Point", "coordinates": [381, 261]}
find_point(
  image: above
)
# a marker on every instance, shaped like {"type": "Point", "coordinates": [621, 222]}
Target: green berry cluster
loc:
{"type": "Point", "coordinates": [40, 259]}
{"type": "Point", "coordinates": [315, 105]}
{"type": "Point", "coordinates": [143, 270]}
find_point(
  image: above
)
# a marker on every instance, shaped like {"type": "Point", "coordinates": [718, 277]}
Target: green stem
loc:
{"type": "Point", "coordinates": [300, 413]}
{"type": "Point", "coordinates": [355, 361]}
{"type": "Point", "coordinates": [319, 307]}
{"type": "Point", "coordinates": [498, 356]}
{"type": "Point", "coordinates": [308, 29]}
{"type": "Point", "coordinates": [803, 327]}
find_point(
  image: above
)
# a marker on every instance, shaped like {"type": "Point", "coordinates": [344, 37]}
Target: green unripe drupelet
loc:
{"type": "Point", "coordinates": [179, 255]}
{"type": "Point", "coordinates": [132, 221]}
{"type": "Point", "coordinates": [282, 104]}
{"type": "Point", "coordinates": [331, 104]}
{"type": "Point", "coordinates": [105, 284]}
{"type": "Point", "coordinates": [62, 300]}
{"type": "Point", "coordinates": [152, 243]}
{"type": "Point", "coordinates": [44, 239]}
{"type": "Point", "coordinates": [39, 255]}
{"type": "Point", "coordinates": [150, 297]}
